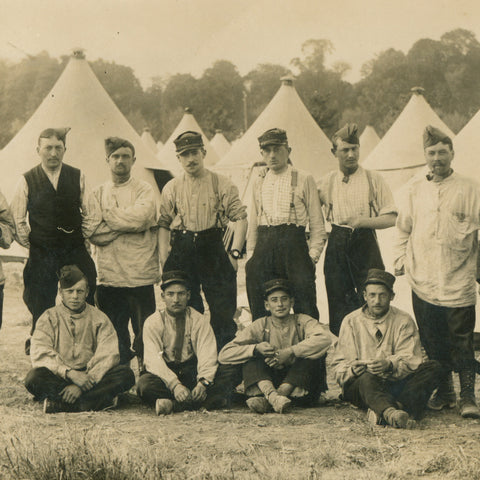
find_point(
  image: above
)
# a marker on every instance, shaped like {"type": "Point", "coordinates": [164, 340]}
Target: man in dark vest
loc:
{"type": "Point", "coordinates": [53, 196]}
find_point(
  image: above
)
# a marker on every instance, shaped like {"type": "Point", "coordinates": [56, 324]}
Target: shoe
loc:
{"type": "Point", "coordinates": [468, 408]}
{"type": "Point", "coordinates": [438, 401]}
{"type": "Point", "coordinates": [52, 406]}
{"type": "Point", "coordinates": [163, 406]}
{"type": "Point", "coordinates": [258, 405]}
{"type": "Point", "coordinates": [279, 403]}
{"type": "Point", "coordinates": [398, 418]}
{"type": "Point", "coordinates": [374, 419]}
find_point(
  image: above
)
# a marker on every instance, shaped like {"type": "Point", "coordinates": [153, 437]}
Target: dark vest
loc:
{"type": "Point", "coordinates": [54, 215]}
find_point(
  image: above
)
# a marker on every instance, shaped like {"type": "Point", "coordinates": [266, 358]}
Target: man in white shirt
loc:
{"type": "Point", "coordinates": [437, 248]}
{"type": "Point", "coordinates": [126, 248]}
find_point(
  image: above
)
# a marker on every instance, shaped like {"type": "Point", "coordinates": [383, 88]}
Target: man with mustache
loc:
{"type": "Point", "coordinates": [126, 251]}
{"type": "Point", "coordinates": [195, 209]}
{"type": "Point", "coordinates": [53, 195]}
{"type": "Point", "coordinates": [437, 248]}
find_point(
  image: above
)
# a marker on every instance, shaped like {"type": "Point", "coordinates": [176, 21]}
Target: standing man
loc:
{"type": "Point", "coordinates": [378, 359]}
{"type": "Point", "coordinates": [194, 211]}
{"type": "Point", "coordinates": [126, 250]}
{"type": "Point", "coordinates": [59, 220]}
{"type": "Point", "coordinates": [357, 202]}
{"type": "Point", "coordinates": [437, 247]}
{"type": "Point", "coordinates": [75, 353]}
{"type": "Point", "coordinates": [284, 202]}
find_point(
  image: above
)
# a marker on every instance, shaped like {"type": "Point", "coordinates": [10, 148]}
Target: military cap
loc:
{"type": "Point", "coordinates": [276, 284]}
{"type": "Point", "coordinates": [188, 140]}
{"type": "Point", "coordinates": [375, 276]}
{"type": "Point", "coordinates": [274, 136]}
{"type": "Point", "coordinates": [174, 276]}
{"type": "Point", "coordinates": [348, 133]}
{"type": "Point", "coordinates": [114, 143]}
{"type": "Point", "coordinates": [433, 135]}
{"type": "Point", "coordinates": [60, 133]}
{"type": "Point", "coordinates": [69, 275]}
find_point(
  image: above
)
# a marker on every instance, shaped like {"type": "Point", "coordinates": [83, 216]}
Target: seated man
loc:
{"type": "Point", "coordinates": [378, 362]}
{"type": "Point", "coordinates": [74, 353]}
{"type": "Point", "coordinates": [279, 353]}
{"type": "Point", "coordinates": [180, 355]}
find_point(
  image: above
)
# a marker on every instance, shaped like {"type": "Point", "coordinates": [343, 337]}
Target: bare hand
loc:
{"type": "Point", "coordinates": [358, 367]}
{"type": "Point", "coordinates": [181, 393]}
{"type": "Point", "coordinates": [199, 393]}
{"type": "Point", "coordinates": [71, 393]}
{"type": "Point", "coordinates": [81, 379]}
{"type": "Point", "coordinates": [379, 366]}
{"type": "Point", "coordinates": [264, 349]}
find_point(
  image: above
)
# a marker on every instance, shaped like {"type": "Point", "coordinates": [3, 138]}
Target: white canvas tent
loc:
{"type": "Point", "coordinates": [465, 160]}
{"type": "Point", "coordinates": [79, 101]}
{"type": "Point", "coordinates": [368, 141]}
{"type": "Point", "coordinates": [167, 155]}
{"type": "Point", "coordinates": [399, 155]}
{"type": "Point", "coordinates": [148, 140]}
{"type": "Point", "coordinates": [310, 146]}
{"type": "Point", "coordinates": [220, 144]}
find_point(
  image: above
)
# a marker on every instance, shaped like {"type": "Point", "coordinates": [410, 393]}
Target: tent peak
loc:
{"type": "Point", "coordinates": [218, 130]}
{"type": "Point", "coordinates": [79, 53]}
{"type": "Point", "coordinates": [188, 110]}
{"type": "Point", "coordinates": [146, 129]}
{"type": "Point", "coordinates": [417, 90]}
{"type": "Point", "coordinates": [287, 80]}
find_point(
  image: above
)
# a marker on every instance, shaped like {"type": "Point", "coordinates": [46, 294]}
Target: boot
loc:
{"type": "Point", "coordinates": [468, 407]}
{"type": "Point", "coordinates": [445, 396]}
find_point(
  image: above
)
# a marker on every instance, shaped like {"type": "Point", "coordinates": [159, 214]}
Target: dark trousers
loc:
{"type": "Point", "coordinates": [43, 383]}
{"type": "Point", "coordinates": [349, 256]}
{"type": "Point", "coordinates": [40, 276]}
{"type": "Point", "coordinates": [204, 259]}
{"type": "Point", "coordinates": [122, 304]}
{"type": "Point", "coordinates": [302, 373]}
{"type": "Point", "coordinates": [150, 386]}
{"type": "Point", "coordinates": [282, 252]}
{"type": "Point", "coordinates": [413, 392]}
{"type": "Point", "coordinates": [446, 333]}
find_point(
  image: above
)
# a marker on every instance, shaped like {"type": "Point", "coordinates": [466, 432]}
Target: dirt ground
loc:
{"type": "Point", "coordinates": [330, 442]}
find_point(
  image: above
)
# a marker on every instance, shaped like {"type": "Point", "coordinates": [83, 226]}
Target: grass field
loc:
{"type": "Point", "coordinates": [332, 442]}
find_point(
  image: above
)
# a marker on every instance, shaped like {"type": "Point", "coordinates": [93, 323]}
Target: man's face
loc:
{"type": "Point", "coordinates": [75, 297]}
{"type": "Point", "coordinates": [439, 158]}
{"type": "Point", "coordinates": [51, 151]}
{"type": "Point", "coordinates": [276, 156]}
{"type": "Point", "coordinates": [192, 161]}
{"type": "Point", "coordinates": [121, 161]}
{"type": "Point", "coordinates": [347, 155]}
{"type": "Point", "coordinates": [176, 297]}
{"type": "Point", "coordinates": [378, 298]}
{"type": "Point", "coordinates": [279, 303]}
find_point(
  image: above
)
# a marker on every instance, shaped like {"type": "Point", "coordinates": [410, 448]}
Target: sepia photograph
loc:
{"type": "Point", "coordinates": [239, 240]}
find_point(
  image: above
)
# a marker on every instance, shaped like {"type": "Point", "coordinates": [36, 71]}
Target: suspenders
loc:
{"type": "Point", "coordinates": [371, 197]}
{"type": "Point", "coordinates": [293, 185]}
{"type": "Point", "coordinates": [266, 331]}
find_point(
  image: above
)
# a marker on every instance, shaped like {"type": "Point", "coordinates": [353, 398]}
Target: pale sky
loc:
{"type": "Point", "coordinates": [162, 37]}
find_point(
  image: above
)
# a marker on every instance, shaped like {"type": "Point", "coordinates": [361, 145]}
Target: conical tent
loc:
{"type": "Point", "coordinates": [79, 101]}
{"type": "Point", "coordinates": [465, 160]}
{"type": "Point", "coordinates": [159, 145]}
{"type": "Point", "coordinates": [310, 146]}
{"type": "Point", "coordinates": [368, 141]}
{"type": "Point", "coordinates": [148, 140]}
{"type": "Point", "coordinates": [167, 155]}
{"type": "Point", "coordinates": [399, 155]}
{"type": "Point", "coordinates": [220, 144]}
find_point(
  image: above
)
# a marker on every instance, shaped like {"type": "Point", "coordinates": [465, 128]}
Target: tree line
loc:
{"type": "Point", "coordinates": [448, 69]}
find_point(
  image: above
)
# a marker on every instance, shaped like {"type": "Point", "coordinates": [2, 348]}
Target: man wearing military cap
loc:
{"type": "Point", "coordinates": [437, 248]}
{"type": "Point", "coordinates": [279, 353]}
{"type": "Point", "coordinates": [75, 353]}
{"type": "Point", "coordinates": [356, 203]}
{"type": "Point", "coordinates": [181, 354]}
{"type": "Point", "coordinates": [378, 360]}
{"type": "Point", "coordinates": [126, 252]}
{"type": "Point", "coordinates": [60, 218]}
{"type": "Point", "coordinates": [195, 209]}
{"type": "Point", "coordinates": [284, 203]}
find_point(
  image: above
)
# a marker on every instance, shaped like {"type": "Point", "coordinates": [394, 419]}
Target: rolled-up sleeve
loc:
{"type": "Point", "coordinates": [167, 205]}
{"type": "Point", "coordinates": [234, 208]}
{"type": "Point", "coordinates": [318, 235]}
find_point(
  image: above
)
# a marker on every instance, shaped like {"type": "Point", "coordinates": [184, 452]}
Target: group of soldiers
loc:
{"type": "Point", "coordinates": [81, 353]}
